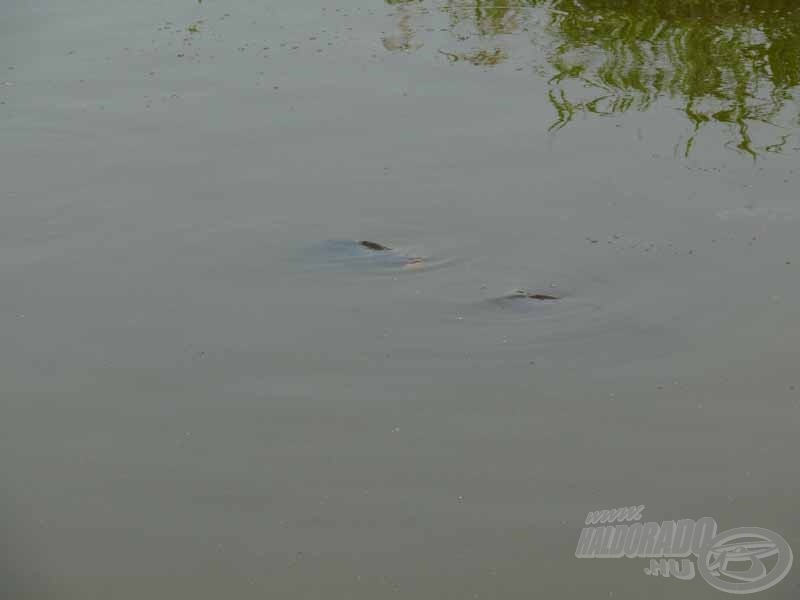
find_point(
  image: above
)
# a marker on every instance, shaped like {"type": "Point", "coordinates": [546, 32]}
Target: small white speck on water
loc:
{"type": "Point", "coordinates": [460, 498]}
{"type": "Point", "coordinates": [396, 430]}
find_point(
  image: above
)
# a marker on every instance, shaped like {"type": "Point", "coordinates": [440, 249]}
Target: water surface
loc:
{"type": "Point", "coordinates": [203, 396]}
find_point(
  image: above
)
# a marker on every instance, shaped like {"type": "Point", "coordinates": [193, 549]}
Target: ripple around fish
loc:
{"type": "Point", "coordinates": [572, 332]}
{"type": "Point", "coordinates": [515, 324]}
{"type": "Point", "coordinates": [565, 312]}
{"type": "Point", "coordinates": [355, 256]}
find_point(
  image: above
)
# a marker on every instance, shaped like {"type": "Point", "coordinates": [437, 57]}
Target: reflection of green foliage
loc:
{"type": "Point", "coordinates": [404, 40]}
{"type": "Point", "coordinates": [489, 17]}
{"type": "Point", "coordinates": [732, 63]}
{"type": "Point", "coordinates": [478, 57]}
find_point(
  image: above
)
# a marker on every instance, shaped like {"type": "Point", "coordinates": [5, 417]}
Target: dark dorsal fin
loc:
{"type": "Point", "coordinates": [373, 246]}
{"type": "Point", "coordinates": [542, 297]}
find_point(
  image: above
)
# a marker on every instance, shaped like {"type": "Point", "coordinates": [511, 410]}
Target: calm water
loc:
{"type": "Point", "coordinates": [209, 390]}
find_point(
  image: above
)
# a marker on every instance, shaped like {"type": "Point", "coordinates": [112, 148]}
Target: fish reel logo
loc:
{"type": "Point", "coordinates": [749, 545]}
{"type": "Point", "coordinates": [738, 561]}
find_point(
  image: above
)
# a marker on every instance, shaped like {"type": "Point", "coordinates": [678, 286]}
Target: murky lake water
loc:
{"type": "Point", "coordinates": [209, 389]}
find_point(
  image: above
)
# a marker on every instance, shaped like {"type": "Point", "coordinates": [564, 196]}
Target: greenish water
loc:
{"type": "Point", "coordinates": [210, 389]}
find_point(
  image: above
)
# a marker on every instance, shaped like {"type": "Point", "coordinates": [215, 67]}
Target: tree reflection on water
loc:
{"type": "Point", "coordinates": [731, 63]}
